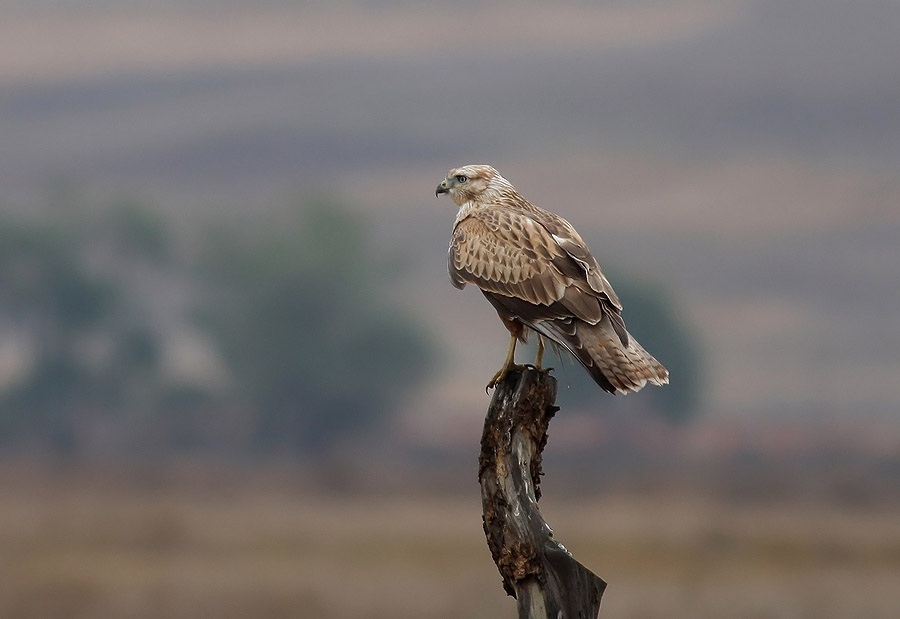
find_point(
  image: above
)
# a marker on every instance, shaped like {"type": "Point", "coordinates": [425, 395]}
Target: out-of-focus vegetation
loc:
{"type": "Point", "coordinates": [310, 346]}
{"type": "Point", "coordinates": [286, 335]}
{"type": "Point", "coordinates": [80, 357]}
{"type": "Point", "coordinates": [651, 315]}
{"type": "Point", "coordinates": [302, 314]}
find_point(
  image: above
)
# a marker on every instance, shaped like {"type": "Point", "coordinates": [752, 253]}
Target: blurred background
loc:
{"type": "Point", "coordinates": [235, 380]}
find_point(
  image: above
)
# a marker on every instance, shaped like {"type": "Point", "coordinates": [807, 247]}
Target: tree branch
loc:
{"type": "Point", "coordinates": [547, 582]}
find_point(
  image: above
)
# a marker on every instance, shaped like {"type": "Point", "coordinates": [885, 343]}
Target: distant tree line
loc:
{"type": "Point", "coordinates": [297, 313]}
{"type": "Point", "coordinates": [292, 336]}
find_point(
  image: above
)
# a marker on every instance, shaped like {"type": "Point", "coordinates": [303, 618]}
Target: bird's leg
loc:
{"type": "Point", "coordinates": [510, 361]}
{"type": "Point", "coordinates": [539, 357]}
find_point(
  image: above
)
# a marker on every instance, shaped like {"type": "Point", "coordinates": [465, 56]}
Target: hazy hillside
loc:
{"type": "Point", "coordinates": [742, 155]}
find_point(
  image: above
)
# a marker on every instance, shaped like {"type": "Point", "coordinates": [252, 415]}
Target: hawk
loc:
{"type": "Point", "coordinates": [539, 275]}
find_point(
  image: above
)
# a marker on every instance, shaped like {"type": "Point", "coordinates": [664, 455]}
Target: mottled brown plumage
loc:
{"type": "Point", "coordinates": [538, 273]}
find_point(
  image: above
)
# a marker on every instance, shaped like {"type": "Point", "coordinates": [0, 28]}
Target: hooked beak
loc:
{"type": "Point", "coordinates": [442, 188]}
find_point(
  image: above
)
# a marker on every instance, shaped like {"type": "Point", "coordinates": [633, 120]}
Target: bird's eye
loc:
{"type": "Point", "coordinates": [461, 178]}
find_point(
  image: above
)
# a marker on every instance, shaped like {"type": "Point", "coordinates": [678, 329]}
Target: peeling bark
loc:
{"type": "Point", "coordinates": [547, 582]}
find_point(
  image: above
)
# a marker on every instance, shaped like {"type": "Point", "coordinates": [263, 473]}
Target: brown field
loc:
{"type": "Point", "coordinates": [111, 544]}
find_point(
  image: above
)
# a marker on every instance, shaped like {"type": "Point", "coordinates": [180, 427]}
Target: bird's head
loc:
{"type": "Point", "coordinates": [472, 183]}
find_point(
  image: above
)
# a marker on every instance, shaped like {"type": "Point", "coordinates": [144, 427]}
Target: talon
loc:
{"type": "Point", "coordinates": [501, 375]}
{"type": "Point", "coordinates": [496, 380]}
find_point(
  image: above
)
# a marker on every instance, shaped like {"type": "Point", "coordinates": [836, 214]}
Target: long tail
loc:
{"type": "Point", "coordinates": [615, 367]}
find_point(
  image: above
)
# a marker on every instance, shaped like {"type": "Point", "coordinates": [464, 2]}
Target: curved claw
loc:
{"type": "Point", "coordinates": [497, 379]}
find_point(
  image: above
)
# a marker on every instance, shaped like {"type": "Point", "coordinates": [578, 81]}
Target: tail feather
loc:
{"type": "Point", "coordinates": [615, 367]}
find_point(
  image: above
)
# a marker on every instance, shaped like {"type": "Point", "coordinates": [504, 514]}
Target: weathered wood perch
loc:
{"type": "Point", "coordinates": [547, 582]}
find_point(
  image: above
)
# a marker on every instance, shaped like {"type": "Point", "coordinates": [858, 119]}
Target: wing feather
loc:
{"type": "Point", "coordinates": [507, 253]}
{"type": "Point", "coordinates": [534, 256]}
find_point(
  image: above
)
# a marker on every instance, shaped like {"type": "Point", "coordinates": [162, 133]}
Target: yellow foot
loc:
{"type": "Point", "coordinates": [507, 364]}
{"type": "Point", "coordinates": [501, 375]}
{"type": "Point", "coordinates": [539, 357]}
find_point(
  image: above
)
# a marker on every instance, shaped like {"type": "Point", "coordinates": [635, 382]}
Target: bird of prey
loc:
{"type": "Point", "coordinates": [539, 275]}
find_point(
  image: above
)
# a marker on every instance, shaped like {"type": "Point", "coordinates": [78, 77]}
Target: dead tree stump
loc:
{"type": "Point", "coordinates": [547, 582]}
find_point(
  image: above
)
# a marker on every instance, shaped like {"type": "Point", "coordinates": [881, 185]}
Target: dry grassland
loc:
{"type": "Point", "coordinates": [93, 545]}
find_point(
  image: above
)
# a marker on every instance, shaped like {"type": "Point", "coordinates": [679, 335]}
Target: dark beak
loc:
{"type": "Point", "coordinates": [442, 188]}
